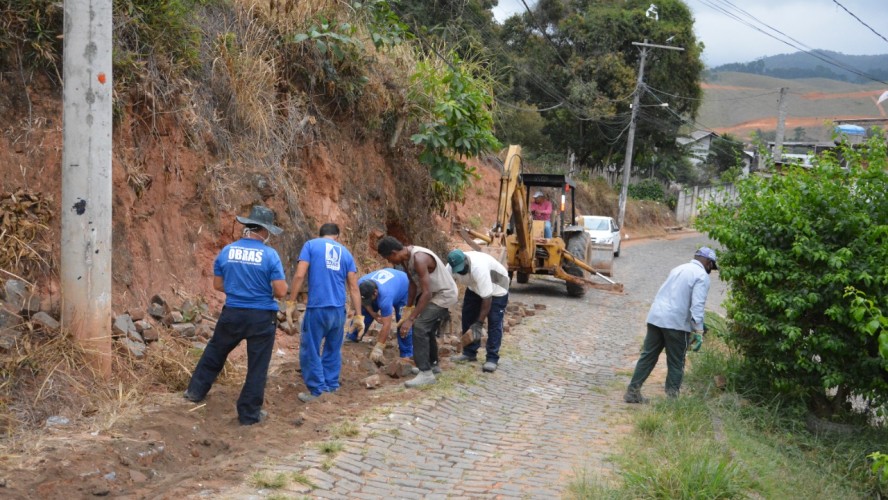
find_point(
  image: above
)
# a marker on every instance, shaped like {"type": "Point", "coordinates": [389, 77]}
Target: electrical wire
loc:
{"type": "Point", "coordinates": [729, 9]}
{"type": "Point", "coordinates": [860, 20]}
{"type": "Point", "coordinates": [756, 96]}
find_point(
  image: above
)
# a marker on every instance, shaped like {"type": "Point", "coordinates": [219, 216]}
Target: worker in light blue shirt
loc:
{"type": "Point", "coordinates": [674, 322]}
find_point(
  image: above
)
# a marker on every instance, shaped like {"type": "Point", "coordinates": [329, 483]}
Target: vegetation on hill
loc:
{"type": "Point", "coordinates": [804, 65]}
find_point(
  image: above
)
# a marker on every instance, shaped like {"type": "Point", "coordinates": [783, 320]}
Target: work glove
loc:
{"type": "Point", "coordinates": [406, 311]}
{"type": "Point", "coordinates": [290, 308]}
{"type": "Point", "coordinates": [696, 341]}
{"type": "Point", "coordinates": [377, 354]}
{"type": "Point", "coordinates": [473, 334]}
{"type": "Point", "coordinates": [354, 324]}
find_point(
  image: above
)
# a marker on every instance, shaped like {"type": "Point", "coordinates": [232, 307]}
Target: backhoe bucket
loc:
{"type": "Point", "coordinates": [602, 258]}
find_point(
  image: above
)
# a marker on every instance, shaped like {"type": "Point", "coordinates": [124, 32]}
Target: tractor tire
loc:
{"type": "Point", "coordinates": [522, 277]}
{"type": "Point", "coordinates": [578, 246]}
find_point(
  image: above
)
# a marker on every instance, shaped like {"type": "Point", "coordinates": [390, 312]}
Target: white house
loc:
{"type": "Point", "coordinates": [698, 144]}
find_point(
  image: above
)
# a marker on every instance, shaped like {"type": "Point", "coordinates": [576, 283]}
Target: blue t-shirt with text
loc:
{"type": "Point", "coordinates": [392, 286]}
{"type": "Point", "coordinates": [247, 268]}
{"type": "Point", "coordinates": [329, 263]}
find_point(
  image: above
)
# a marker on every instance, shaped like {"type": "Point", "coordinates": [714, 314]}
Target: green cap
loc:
{"type": "Point", "coordinates": [457, 260]}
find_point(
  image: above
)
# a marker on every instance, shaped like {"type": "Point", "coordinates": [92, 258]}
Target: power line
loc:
{"type": "Point", "coordinates": [726, 9]}
{"type": "Point", "coordinates": [709, 99]}
{"type": "Point", "coordinates": [860, 20]}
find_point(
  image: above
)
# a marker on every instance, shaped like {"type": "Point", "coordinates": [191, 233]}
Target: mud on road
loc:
{"type": "Point", "coordinates": [552, 408]}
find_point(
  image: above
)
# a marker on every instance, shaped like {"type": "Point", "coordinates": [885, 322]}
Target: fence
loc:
{"type": "Point", "coordinates": [692, 199]}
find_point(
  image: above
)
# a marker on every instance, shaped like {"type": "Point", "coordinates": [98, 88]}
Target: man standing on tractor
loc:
{"type": "Point", "coordinates": [430, 279]}
{"type": "Point", "coordinates": [674, 322]}
{"type": "Point", "coordinates": [486, 298]}
{"type": "Point", "coordinates": [383, 297]}
{"type": "Point", "coordinates": [329, 266]}
{"type": "Point", "coordinates": [541, 209]}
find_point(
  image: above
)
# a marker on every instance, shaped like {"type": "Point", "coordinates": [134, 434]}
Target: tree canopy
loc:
{"type": "Point", "coordinates": [805, 253]}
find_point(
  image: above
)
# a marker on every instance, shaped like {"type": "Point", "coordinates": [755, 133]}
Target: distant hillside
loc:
{"type": "Point", "coordinates": [741, 103]}
{"type": "Point", "coordinates": [804, 65]}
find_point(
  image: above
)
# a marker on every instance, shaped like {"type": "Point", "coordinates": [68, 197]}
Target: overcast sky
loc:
{"type": "Point", "coordinates": [817, 24]}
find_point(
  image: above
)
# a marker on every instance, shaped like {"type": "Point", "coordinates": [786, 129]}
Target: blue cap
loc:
{"type": "Point", "coordinates": [457, 260]}
{"type": "Point", "coordinates": [708, 253]}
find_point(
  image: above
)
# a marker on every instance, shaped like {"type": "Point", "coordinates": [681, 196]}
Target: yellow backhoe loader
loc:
{"type": "Point", "coordinates": [519, 243]}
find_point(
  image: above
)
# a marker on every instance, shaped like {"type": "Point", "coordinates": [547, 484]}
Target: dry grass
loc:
{"type": "Point", "coordinates": [24, 216]}
{"type": "Point", "coordinates": [245, 72]}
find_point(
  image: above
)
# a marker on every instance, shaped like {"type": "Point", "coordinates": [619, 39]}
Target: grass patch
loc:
{"type": "Point", "coordinates": [331, 447]}
{"type": "Point", "coordinates": [262, 479]}
{"type": "Point", "coordinates": [345, 430]}
{"type": "Point", "coordinates": [716, 441]}
{"type": "Point", "coordinates": [301, 478]}
{"type": "Point", "coordinates": [463, 374]}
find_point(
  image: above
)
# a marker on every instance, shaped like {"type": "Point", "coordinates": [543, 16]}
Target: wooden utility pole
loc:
{"type": "Point", "coordinates": [781, 126]}
{"type": "Point", "coordinates": [86, 178]}
{"type": "Point", "coordinates": [630, 143]}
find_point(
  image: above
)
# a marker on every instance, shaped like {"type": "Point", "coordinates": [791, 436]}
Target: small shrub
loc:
{"type": "Point", "coordinates": [263, 479]}
{"type": "Point", "coordinates": [331, 447]}
{"type": "Point", "coordinates": [648, 189]}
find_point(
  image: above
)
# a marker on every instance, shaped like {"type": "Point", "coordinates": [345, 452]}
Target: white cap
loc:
{"type": "Point", "coordinates": [537, 194]}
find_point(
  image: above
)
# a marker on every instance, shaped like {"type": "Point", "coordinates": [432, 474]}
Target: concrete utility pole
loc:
{"type": "Point", "coordinates": [630, 143]}
{"type": "Point", "coordinates": [86, 178]}
{"type": "Point", "coordinates": [781, 126]}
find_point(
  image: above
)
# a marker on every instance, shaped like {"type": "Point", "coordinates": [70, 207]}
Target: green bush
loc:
{"type": "Point", "coordinates": [459, 123]}
{"type": "Point", "coordinates": [793, 244]}
{"type": "Point", "coordinates": [648, 189]}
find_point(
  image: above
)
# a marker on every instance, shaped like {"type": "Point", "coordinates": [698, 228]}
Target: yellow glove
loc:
{"type": "Point", "coordinates": [406, 311]}
{"type": "Point", "coordinates": [377, 354]}
{"type": "Point", "coordinates": [290, 308]}
{"type": "Point", "coordinates": [354, 324]}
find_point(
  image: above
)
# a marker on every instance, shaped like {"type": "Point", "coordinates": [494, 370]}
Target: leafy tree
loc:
{"type": "Point", "coordinates": [458, 121]}
{"type": "Point", "coordinates": [806, 256]}
{"type": "Point", "coordinates": [725, 153]}
{"type": "Point", "coordinates": [578, 55]}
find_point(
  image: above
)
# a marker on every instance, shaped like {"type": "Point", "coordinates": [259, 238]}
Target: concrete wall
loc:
{"type": "Point", "coordinates": [692, 199]}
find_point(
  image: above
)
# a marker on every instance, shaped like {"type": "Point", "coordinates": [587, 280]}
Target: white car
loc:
{"type": "Point", "coordinates": [602, 230]}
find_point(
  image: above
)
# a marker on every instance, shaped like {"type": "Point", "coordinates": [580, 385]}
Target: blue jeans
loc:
{"type": "Point", "coordinates": [547, 231]}
{"type": "Point", "coordinates": [257, 327]}
{"type": "Point", "coordinates": [676, 344]}
{"type": "Point", "coordinates": [405, 345]}
{"type": "Point", "coordinates": [470, 309]}
{"type": "Point", "coordinates": [320, 348]}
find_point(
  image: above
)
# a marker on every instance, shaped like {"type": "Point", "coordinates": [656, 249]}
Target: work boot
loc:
{"type": "Point", "coordinates": [262, 416]}
{"type": "Point", "coordinates": [191, 397]}
{"type": "Point", "coordinates": [462, 358]}
{"type": "Point", "coordinates": [435, 369]}
{"type": "Point", "coordinates": [634, 396]}
{"type": "Point", "coordinates": [424, 378]}
{"type": "Point", "coordinates": [489, 367]}
{"type": "Point", "coordinates": [352, 337]}
{"type": "Point", "coordinates": [307, 397]}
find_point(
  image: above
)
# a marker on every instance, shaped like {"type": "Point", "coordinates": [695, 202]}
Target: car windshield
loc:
{"type": "Point", "coordinates": [596, 224]}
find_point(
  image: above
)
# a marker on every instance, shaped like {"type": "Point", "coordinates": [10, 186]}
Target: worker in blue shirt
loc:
{"type": "Point", "coordinates": [329, 268]}
{"type": "Point", "coordinates": [383, 297]}
{"type": "Point", "coordinates": [251, 275]}
{"type": "Point", "coordinates": [674, 322]}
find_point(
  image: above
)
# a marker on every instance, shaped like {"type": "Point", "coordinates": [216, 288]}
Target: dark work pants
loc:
{"type": "Point", "coordinates": [425, 330]}
{"type": "Point", "coordinates": [470, 309]}
{"type": "Point", "coordinates": [257, 327]}
{"type": "Point", "coordinates": [676, 344]}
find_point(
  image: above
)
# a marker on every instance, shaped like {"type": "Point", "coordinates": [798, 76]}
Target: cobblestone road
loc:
{"type": "Point", "coordinates": [553, 408]}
